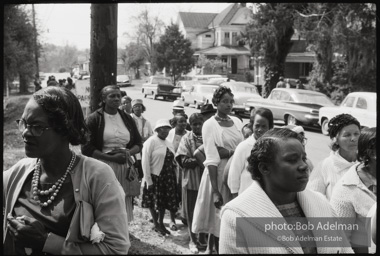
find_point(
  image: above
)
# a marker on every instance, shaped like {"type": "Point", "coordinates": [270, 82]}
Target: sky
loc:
{"type": "Point", "coordinates": [62, 24]}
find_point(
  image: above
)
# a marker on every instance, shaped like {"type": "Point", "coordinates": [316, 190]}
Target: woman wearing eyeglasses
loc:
{"type": "Point", "coordinates": [45, 194]}
{"type": "Point", "coordinates": [221, 130]}
{"type": "Point", "coordinates": [114, 138]}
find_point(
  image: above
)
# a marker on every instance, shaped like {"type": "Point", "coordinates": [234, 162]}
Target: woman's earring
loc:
{"type": "Point", "coordinates": [334, 140]}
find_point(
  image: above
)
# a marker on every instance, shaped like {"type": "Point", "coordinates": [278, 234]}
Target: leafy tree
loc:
{"type": "Point", "coordinates": [269, 35]}
{"type": "Point", "coordinates": [337, 32]}
{"type": "Point", "coordinates": [133, 57]}
{"type": "Point", "coordinates": [18, 46]}
{"type": "Point", "coordinates": [148, 32]}
{"type": "Point", "coordinates": [174, 53]}
{"type": "Point", "coordinates": [211, 64]}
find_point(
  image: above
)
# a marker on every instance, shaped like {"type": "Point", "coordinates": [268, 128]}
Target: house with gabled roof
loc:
{"type": "Point", "coordinates": [215, 35]}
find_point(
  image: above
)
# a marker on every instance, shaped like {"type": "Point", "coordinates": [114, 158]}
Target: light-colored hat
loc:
{"type": "Point", "coordinates": [137, 101]}
{"type": "Point", "coordinates": [162, 123]}
{"type": "Point", "coordinates": [178, 104]}
{"type": "Point", "coordinates": [295, 128]}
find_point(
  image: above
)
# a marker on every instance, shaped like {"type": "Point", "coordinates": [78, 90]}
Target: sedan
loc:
{"type": "Point", "coordinates": [123, 81]}
{"type": "Point", "coordinates": [186, 85]}
{"type": "Point", "coordinates": [293, 106]}
{"type": "Point", "coordinates": [361, 105]}
{"type": "Point", "coordinates": [198, 95]}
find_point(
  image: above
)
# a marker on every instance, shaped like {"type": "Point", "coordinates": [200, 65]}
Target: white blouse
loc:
{"type": "Point", "coordinates": [116, 134]}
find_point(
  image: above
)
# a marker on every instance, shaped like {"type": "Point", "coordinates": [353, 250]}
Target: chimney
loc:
{"type": "Point", "coordinates": [243, 4]}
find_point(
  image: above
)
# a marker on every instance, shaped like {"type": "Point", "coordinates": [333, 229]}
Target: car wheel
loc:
{"type": "Point", "coordinates": [291, 120]}
{"type": "Point", "coordinates": [325, 127]}
{"type": "Point", "coordinates": [142, 91]}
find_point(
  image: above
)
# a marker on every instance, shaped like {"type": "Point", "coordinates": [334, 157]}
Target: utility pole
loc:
{"type": "Point", "coordinates": [36, 55]}
{"type": "Point", "coordinates": [103, 50]}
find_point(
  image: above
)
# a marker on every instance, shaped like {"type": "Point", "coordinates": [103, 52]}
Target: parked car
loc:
{"type": "Point", "coordinates": [242, 92]}
{"type": "Point", "coordinates": [293, 106]}
{"type": "Point", "coordinates": [361, 105]}
{"type": "Point", "coordinates": [123, 81]}
{"type": "Point", "coordinates": [198, 95]}
{"type": "Point", "coordinates": [202, 77]}
{"type": "Point", "coordinates": [186, 85]}
{"type": "Point", "coordinates": [159, 86]}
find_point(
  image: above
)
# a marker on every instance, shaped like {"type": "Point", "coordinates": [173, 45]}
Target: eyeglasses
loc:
{"type": "Point", "coordinates": [35, 130]}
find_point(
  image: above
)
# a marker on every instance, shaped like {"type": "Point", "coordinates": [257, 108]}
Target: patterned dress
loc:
{"type": "Point", "coordinates": [164, 194]}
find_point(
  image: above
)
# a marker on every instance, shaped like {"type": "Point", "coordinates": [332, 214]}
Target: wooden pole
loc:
{"type": "Point", "coordinates": [103, 51]}
{"type": "Point", "coordinates": [35, 44]}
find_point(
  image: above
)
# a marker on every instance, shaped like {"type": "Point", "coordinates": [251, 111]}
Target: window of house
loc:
{"type": "Point", "coordinates": [362, 103]}
{"type": "Point", "coordinates": [227, 34]}
{"type": "Point", "coordinates": [208, 36]}
{"type": "Point", "coordinates": [305, 69]}
{"type": "Point", "coordinates": [234, 38]}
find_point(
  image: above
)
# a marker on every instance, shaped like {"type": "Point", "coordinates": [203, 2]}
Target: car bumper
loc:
{"type": "Point", "coordinates": [311, 120]}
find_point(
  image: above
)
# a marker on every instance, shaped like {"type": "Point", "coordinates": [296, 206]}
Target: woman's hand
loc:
{"type": "Point", "coordinates": [119, 158]}
{"type": "Point", "coordinates": [27, 231]}
{"type": "Point", "coordinates": [218, 199]}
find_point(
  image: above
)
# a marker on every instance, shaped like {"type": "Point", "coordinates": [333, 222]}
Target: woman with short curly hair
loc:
{"type": "Point", "coordinates": [47, 194]}
{"type": "Point", "coordinates": [344, 131]}
{"type": "Point", "coordinates": [252, 223]}
{"type": "Point", "coordinates": [221, 130]}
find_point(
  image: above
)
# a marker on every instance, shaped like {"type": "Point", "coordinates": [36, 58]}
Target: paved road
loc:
{"type": "Point", "coordinates": [317, 146]}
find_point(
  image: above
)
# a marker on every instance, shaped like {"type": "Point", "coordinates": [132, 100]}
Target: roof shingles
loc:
{"type": "Point", "coordinates": [196, 20]}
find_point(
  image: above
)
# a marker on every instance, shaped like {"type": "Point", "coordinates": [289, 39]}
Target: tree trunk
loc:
{"type": "Point", "coordinates": [103, 52]}
{"type": "Point", "coordinates": [23, 86]}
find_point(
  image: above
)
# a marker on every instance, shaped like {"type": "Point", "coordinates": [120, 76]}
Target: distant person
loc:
{"type": "Point", "coordinates": [70, 84]}
{"type": "Point", "coordinates": [179, 107]}
{"type": "Point", "coordinates": [51, 81]}
{"type": "Point", "coordinates": [37, 85]}
{"type": "Point", "coordinates": [281, 83]}
{"type": "Point", "coordinates": [159, 182]}
{"type": "Point", "coordinates": [299, 84]}
{"type": "Point", "coordinates": [126, 105]}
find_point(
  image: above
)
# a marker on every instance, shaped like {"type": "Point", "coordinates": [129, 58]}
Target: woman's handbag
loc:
{"type": "Point", "coordinates": [132, 176]}
{"type": "Point", "coordinates": [83, 219]}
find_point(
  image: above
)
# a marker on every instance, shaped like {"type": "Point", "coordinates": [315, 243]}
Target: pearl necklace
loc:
{"type": "Point", "coordinates": [223, 118]}
{"type": "Point", "coordinates": [54, 189]}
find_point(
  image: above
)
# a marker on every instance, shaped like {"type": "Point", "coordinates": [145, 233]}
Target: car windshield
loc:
{"type": "Point", "coordinates": [314, 98]}
{"type": "Point", "coordinates": [207, 89]}
{"type": "Point", "coordinates": [248, 89]}
{"type": "Point", "coordinates": [161, 80]}
{"type": "Point", "coordinates": [122, 78]}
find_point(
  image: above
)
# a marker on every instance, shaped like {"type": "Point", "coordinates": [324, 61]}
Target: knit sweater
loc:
{"type": "Point", "coordinates": [327, 173]}
{"type": "Point", "coordinates": [351, 198]}
{"type": "Point", "coordinates": [255, 203]}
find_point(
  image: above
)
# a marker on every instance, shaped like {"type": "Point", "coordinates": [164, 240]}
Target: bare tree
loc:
{"type": "Point", "coordinates": [149, 30]}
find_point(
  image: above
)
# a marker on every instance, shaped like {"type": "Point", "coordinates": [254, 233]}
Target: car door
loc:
{"type": "Point", "coordinates": [276, 104]}
{"type": "Point", "coordinates": [361, 112]}
{"type": "Point", "coordinates": [348, 104]}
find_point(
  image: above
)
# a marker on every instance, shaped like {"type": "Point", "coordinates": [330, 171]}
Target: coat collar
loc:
{"type": "Point", "coordinates": [255, 203]}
